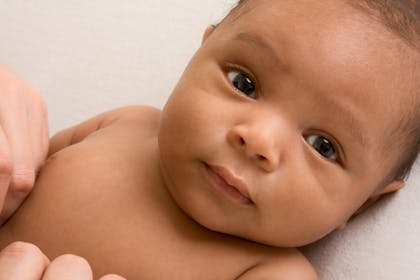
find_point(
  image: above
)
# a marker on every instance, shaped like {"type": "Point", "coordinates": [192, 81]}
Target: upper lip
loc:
{"type": "Point", "coordinates": [232, 180]}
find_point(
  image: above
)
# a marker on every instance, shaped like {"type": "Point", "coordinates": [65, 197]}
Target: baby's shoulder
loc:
{"type": "Point", "coordinates": [134, 121]}
{"type": "Point", "coordinates": [286, 264]}
{"type": "Point", "coordinates": [130, 122]}
{"type": "Point", "coordinates": [143, 115]}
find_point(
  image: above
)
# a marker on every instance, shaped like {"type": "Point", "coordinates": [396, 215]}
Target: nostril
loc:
{"type": "Point", "coordinates": [262, 158]}
{"type": "Point", "coordinates": [241, 141]}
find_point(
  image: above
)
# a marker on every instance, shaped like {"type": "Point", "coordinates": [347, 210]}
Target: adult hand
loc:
{"type": "Point", "coordinates": [23, 139]}
{"type": "Point", "coordinates": [25, 261]}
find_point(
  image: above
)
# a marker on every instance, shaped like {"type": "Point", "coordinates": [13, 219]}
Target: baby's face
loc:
{"type": "Point", "coordinates": [278, 129]}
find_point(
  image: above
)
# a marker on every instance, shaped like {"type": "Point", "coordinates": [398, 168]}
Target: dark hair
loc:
{"type": "Point", "coordinates": [402, 18]}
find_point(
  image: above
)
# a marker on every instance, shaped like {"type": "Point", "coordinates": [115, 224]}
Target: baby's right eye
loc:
{"type": "Point", "coordinates": [243, 83]}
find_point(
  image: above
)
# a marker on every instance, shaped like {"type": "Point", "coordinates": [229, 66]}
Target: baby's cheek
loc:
{"type": "Point", "coordinates": [301, 217]}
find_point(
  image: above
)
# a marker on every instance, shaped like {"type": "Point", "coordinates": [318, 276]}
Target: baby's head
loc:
{"type": "Point", "coordinates": [292, 116]}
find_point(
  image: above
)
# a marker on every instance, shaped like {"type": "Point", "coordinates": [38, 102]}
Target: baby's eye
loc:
{"type": "Point", "coordinates": [243, 83]}
{"type": "Point", "coordinates": [323, 146]}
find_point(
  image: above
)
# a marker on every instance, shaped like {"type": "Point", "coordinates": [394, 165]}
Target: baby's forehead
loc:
{"type": "Point", "coordinates": [337, 34]}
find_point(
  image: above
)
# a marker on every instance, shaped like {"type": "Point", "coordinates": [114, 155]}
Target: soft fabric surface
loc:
{"type": "Point", "coordinates": [90, 56]}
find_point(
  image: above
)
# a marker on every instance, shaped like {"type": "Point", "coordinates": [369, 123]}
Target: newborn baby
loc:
{"type": "Point", "coordinates": [289, 119]}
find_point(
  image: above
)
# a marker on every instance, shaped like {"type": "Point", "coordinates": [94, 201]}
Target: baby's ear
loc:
{"type": "Point", "coordinates": [208, 32]}
{"type": "Point", "coordinates": [391, 187]}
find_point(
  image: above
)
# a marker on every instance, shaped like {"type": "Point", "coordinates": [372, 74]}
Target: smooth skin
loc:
{"type": "Point", "coordinates": [23, 139]}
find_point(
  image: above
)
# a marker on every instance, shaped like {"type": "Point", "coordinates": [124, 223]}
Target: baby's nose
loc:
{"type": "Point", "coordinates": [257, 143]}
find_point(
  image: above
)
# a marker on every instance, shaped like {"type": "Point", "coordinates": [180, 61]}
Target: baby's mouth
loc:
{"type": "Point", "coordinates": [233, 187]}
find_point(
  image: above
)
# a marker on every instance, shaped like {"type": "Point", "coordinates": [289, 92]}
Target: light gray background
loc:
{"type": "Point", "coordinates": [88, 56]}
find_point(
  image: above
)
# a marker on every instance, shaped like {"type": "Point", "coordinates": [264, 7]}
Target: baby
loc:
{"type": "Point", "coordinates": [291, 117]}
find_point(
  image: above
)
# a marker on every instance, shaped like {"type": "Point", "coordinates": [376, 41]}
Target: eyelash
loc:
{"type": "Point", "coordinates": [240, 69]}
{"type": "Point", "coordinates": [337, 147]}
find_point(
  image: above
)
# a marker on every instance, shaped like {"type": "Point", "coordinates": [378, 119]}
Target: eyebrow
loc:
{"type": "Point", "coordinates": [346, 114]}
{"type": "Point", "coordinates": [353, 124]}
{"type": "Point", "coordinates": [260, 42]}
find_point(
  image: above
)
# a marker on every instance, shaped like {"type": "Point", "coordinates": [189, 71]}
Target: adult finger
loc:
{"type": "Point", "coordinates": [37, 115]}
{"type": "Point", "coordinates": [68, 267]}
{"type": "Point", "coordinates": [5, 168]}
{"type": "Point", "coordinates": [29, 149]}
{"type": "Point", "coordinates": [13, 189]}
{"type": "Point", "coordinates": [23, 261]}
{"type": "Point", "coordinates": [14, 122]}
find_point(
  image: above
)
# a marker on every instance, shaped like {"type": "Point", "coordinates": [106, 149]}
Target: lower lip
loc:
{"type": "Point", "coordinates": [219, 184]}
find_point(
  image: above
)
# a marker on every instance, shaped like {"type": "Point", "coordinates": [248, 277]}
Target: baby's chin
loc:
{"type": "Point", "coordinates": [253, 235]}
{"type": "Point", "coordinates": [270, 237]}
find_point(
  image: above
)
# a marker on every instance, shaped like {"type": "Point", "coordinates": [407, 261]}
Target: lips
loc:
{"type": "Point", "coordinates": [231, 186]}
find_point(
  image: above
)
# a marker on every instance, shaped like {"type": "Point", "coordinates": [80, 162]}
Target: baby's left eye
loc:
{"type": "Point", "coordinates": [323, 146]}
{"type": "Point", "coordinates": [243, 83]}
